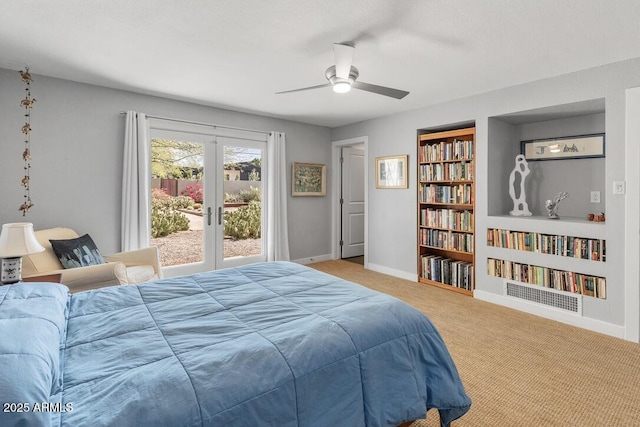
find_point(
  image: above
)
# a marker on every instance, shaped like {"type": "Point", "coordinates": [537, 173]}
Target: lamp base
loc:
{"type": "Point", "coordinates": [10, 270]}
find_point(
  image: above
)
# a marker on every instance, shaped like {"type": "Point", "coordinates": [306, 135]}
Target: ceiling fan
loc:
{"type": "Point", "coordinates": [343, 76]}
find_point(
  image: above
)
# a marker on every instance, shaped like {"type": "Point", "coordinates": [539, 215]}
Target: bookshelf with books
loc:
{"type": "Point", "coordinates": [446, 242]}
{"type": "Point", "coordinates": [553, 244]}
{"type": "Point", "coordinates": [569, 255]}
{"type": "Point", "coordinates": [562, 280]}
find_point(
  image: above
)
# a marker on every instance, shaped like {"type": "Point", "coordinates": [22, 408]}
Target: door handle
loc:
{"type": "Point", "coordinates": [209, 216]}
{"type": "Point", "coordinates": [220, 215]}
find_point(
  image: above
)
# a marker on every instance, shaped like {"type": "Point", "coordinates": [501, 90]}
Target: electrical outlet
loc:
{"type": "Point", "coordinates": [619, 187]}
{"type": "Point", "coordinates": [595, 197]}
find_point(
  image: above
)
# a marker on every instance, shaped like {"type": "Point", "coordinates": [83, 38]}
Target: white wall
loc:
{"type": "Point", "coordinates": [77, 144]}
{"type": "Point", "coordinates": [392, 225]}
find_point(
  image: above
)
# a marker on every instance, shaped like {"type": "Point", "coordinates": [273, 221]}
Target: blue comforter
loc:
{"type": "Point", "coordinates": [271, 344]}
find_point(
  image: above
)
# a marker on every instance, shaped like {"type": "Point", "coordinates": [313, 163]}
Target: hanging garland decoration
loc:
{"type": "Point", "coordinates": [27, 103]}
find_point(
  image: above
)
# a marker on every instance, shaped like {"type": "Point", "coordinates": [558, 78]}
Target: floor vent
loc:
{"type": "Point", "coordinates": [545, 296]}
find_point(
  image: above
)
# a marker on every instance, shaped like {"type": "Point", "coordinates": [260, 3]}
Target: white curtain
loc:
{"type": "Point", "coordinates": [277, 235]}
{"type": "Point", "coordinates": [136, 174]}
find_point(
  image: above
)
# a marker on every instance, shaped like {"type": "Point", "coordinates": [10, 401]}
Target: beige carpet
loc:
{"type": "Point", "coordinates": [520, 369]}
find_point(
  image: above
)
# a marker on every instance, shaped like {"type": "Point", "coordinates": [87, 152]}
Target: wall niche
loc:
{"type": "Point", "coordinates": [578, 177]}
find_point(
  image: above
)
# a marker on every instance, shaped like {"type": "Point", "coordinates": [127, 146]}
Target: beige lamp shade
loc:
{"type": "Point", "coordinates": [18, 239]}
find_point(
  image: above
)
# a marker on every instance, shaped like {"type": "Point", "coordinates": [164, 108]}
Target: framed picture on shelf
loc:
{"type": "Point", "coordinates": [308, 179]}
{"type": "Point", "coordinates": [391, 172]}
{"type": "Point", "coordinates": [570, 147]}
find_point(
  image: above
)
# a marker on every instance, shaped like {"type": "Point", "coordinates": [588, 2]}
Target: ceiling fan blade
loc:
{"type": "Point", "coordinates": [380, 90]}
{"type": "Point", "coordinates": [344, 56]}
{"type": "Point", "coordinates": [304, 88]}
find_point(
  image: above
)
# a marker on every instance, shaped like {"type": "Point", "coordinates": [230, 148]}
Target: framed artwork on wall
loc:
{"type": "Point", "coordinates": [308, 179]}
{"type": "Point", "coordinates": [391, 172]}
{"type": "Point", "coordinates": [570, 147]}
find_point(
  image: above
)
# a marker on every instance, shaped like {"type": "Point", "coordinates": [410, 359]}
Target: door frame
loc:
{"type": "Point", "coordinates": [216, 137]}
{"type": "Point", "coordinates": [336, 147]}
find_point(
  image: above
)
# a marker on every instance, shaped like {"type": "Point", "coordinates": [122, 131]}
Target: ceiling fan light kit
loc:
{"type": "Point", "coordinates": [340, 84]}
{"type": "Point", "coordinates": [342, 76]}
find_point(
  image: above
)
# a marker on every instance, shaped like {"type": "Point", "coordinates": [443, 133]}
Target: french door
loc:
{"type": "Point", "coordinates": [207, 197]}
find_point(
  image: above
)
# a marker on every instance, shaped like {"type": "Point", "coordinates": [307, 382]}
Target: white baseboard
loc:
{"type": "Point", "coordinates": [392, 272]}
{"type": "Point", "coordinates": [553, 314]}
{"type": "Point", "coordinates": [304, 261]}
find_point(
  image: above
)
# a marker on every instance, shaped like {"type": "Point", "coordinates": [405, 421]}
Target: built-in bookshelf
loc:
{"type": "Point", "coordinates": [562, 280]}
{"type": "Point", "coordinates": [446, 206]}
{"type": "Point", "coordinates": [552, 244]}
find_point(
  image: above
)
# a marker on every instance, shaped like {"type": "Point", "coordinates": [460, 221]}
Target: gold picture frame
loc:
{"type": "Point", "coordinates": [391, 172]}
{"type": "Point", "coordinates": [308, 179]}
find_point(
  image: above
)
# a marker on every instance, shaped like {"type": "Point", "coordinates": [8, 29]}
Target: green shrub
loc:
{"type": "Point", "coordinates": [183, 202]}
{"type": "Point", "coordinates": [165, 219]}
{"type": "Point", "coordinates": [253, 193]}
{"type": "Point", "coordinates": [243, 223]}
{"type": "Point", "coordinates": [232, 198]}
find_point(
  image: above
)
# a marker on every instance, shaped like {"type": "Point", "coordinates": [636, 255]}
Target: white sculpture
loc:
{"type": "Point", "coordinates": [520, 206]}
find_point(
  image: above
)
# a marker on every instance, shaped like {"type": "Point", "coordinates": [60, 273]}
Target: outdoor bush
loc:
{"type": "Point", "coordinates": [243, 223]}
{"type": "Point", "coordinates": [165, 218]}
{"type": "Point", "coordinates": [159, 193]}
{"type": "Point", "coordinates": [183, 202]}
{"type": "Point", "coordinates": [232, 197]}
{"type": "Point", "coordinates": [253, 193]}
{"type": "Point", "coordinates": [194, 191]}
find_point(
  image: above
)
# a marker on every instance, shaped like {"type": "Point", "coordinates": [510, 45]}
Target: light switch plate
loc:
{"type": "Point", "coordinates": [595, 197]}
{"type": "Point", "coordinates": [619, 187]}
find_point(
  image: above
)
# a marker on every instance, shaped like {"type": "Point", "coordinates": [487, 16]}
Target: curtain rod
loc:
{"type": "Point", "coordinates": [203, 124]}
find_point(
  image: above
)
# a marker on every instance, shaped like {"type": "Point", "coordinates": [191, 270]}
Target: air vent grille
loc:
{"type": "Point", "coordinates": [549, 297]}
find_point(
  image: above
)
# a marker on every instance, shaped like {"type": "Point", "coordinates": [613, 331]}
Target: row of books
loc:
{"type": "Point", "coordinates": [569, 246]}
{"type": "Point", "coordinates": [447, 271]}
{"type": "Point", "coordinates": [447, 218]}
{"type": "Point", "coordinates": [457, 194]}
{"type": "Point", "coordinates": [446, 171]}
{"type": "Point", "coordinates": [446, 150]}
{"type": "Point", "coordinates": [568, 281]}
{"type": "Point", "coordinates": [449, 240]}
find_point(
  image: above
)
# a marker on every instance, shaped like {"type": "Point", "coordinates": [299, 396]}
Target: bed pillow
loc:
{"type": "Point", "coordinates": [78, 252]}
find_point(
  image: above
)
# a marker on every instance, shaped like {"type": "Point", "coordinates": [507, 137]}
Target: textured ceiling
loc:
{"type": "Point", "coordinates": [238, 54]}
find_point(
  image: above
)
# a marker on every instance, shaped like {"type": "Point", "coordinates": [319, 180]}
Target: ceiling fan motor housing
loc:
{"type": "Point", "coordinates": [330, 74]}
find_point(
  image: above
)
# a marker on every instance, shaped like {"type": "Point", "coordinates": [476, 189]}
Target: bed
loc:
{"type": "Point", "coordinates": [267, 344]}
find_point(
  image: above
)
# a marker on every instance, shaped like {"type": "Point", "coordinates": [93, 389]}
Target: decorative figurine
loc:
{"type": "Point", "coordinates": [552, 205]}
{"type": "Point", "coordinates": [520, 206]}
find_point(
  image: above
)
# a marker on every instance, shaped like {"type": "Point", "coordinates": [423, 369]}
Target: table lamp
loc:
{"type": "Point", "coordinates": [16, 240]}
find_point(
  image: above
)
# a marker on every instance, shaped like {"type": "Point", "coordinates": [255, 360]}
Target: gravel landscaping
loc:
{"type": "Point", "coordinates": [185, 247]}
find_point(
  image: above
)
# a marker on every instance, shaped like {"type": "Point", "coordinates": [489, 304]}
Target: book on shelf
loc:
{"type": "Point", "coordinates": [459, 194]}
{"type": "Point", "coordinates": [568, 281]}
{"type": "Point", "coordinates": [569, 246]}
{"type": "Point", "coordinates": [444, 239]}
{"type": "Point", "coordinates": [447, 271]}
{"type": "Point", "coordinates": [447, 218]}
{"type": "Point", "coordinates": [445, 150]}
{"type": "Point", "coordinates": [458, 171]}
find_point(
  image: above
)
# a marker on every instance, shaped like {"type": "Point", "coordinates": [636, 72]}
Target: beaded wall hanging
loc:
{"type": "Point", "coordinates": [27, 103]}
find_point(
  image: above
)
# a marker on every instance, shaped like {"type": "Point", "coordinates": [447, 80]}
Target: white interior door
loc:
{"type": "Point", "coordinates": [352, 202]}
